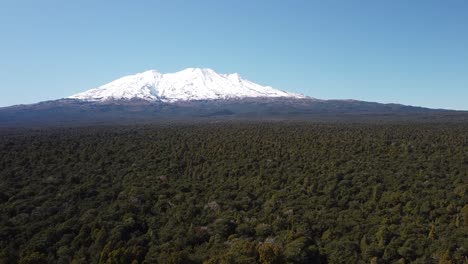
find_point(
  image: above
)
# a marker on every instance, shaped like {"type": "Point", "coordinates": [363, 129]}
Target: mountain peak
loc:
{"type": "Point", "coordinates": [150, 72]}
{"type": "Point", "coordinates": [186, 85]}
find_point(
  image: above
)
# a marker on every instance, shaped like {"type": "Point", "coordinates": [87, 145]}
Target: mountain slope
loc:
{"type": "Point", "coordinates": [202, 94]}
{"type": "Point", "coordinates": [186, 85]}
{"type": "Point", "coordinates": [72, 112]}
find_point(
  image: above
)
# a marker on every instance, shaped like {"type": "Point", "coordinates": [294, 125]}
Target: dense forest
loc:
{"type": "Point", "coordinates": [235, 192]}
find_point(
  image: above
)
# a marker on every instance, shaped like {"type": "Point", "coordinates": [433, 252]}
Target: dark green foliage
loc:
{"type": "Point", "coordinates": [235, 193]}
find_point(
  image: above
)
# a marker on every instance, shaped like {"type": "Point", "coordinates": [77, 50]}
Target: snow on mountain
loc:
{"type": "Point", "coordinates": [186, 85]}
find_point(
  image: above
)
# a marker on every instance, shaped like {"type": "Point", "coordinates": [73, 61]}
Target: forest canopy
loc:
{"type": "Point", "coordinates": [235, 192]}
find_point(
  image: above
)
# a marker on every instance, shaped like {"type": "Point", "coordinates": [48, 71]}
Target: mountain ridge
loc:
{"type": "Point", "coordinates": [196, 94]}
{"type": "Point", "coordinates": [185, 85]}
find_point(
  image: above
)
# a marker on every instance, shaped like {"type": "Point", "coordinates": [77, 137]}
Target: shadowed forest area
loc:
{"type": "Point", "coordinates": [235, 192]}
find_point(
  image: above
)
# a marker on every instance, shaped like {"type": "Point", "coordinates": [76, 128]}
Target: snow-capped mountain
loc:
{"type": "Point", "coordinates": [201, 94]}
{"type": "Point", "coordinates": [187, 85]}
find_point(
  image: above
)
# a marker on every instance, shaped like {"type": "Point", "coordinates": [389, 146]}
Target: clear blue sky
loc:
{"type": "Point", "coordinates": [405, 51]}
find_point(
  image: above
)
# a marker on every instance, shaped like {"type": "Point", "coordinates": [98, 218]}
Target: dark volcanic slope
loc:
{"type": "Point", "coordinates": [75, 112]}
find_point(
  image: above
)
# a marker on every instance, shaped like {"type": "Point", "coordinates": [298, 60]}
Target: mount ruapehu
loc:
{"type": "Point", "coordinates": [194, 94]}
